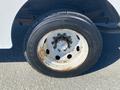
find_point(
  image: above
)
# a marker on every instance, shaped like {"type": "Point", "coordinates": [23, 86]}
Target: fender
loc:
{"type": "Point", "coordinates": [8, 11]}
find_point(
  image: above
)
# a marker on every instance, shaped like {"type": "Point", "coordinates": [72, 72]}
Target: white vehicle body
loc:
{"type": "Point", "coordinates": [8, 11]}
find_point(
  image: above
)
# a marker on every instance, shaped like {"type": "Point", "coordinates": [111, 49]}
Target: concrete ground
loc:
{"type": "Point", "coordinates": [105, 75]}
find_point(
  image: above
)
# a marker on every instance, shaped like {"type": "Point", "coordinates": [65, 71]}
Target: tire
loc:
{"type": "Point", "coordinates": [75, 23]}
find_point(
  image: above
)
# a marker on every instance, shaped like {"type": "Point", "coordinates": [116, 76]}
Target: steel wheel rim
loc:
{"type": "Point", "coordinates": [62, 49]}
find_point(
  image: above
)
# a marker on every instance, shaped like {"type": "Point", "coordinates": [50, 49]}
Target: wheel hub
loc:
{"type": "Point", "coordinates": [62, 42]}
{"type": "Point", "coordinates": [62, 46]}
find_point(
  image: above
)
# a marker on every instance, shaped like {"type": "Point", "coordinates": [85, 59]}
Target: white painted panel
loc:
{"type": "Point", "coordinates": [8, 11]}
{"type": "Point", "coordinates": [116, 4]}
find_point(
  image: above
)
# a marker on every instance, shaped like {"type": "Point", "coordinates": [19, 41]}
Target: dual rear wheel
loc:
{"type": "Point", "coordinates": [64, 44]}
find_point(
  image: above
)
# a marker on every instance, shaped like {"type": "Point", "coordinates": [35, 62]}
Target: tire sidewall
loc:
{"type": "Point", "coordinates": [88, 30]}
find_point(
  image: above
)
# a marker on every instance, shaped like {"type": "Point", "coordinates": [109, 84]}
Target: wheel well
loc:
{"type": "Point", "coordinates": [97, 10]}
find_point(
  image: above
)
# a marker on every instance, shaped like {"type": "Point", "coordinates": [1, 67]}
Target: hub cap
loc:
{"type": "Point", "coordinates": [62, 50]}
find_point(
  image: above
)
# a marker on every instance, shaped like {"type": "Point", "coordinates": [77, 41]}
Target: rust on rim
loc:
{"type": "Point", "coordinates": [67, 69]}
{"type": "Point", "coordinates": [42, 53]}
